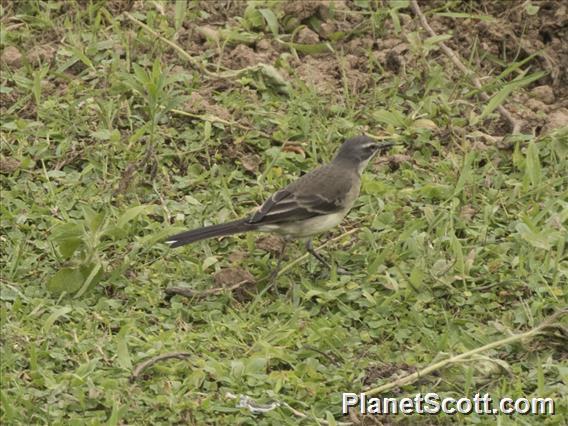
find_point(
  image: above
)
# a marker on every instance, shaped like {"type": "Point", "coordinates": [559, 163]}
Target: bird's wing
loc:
{"type": "Point", "coordinates": [309, 196]}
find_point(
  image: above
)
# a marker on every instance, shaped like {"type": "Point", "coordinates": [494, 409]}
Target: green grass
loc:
{"type": "Point", "coordinates": [455, 247]}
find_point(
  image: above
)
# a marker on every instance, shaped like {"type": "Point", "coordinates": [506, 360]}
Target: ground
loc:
{"type": "Point", "coordinates": [124, 122]}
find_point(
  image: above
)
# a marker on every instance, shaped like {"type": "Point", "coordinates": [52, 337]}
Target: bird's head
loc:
{"type": "Point", "coordinates": [359, 150]}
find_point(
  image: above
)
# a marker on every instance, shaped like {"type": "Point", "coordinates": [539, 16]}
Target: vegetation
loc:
{"type": "Point", "coordinates": [113, 138]}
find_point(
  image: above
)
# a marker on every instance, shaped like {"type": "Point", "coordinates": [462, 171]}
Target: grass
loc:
{"type": "Point", "coordinates": [455, 247]}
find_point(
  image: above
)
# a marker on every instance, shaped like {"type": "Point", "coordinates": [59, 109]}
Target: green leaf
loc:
{"type": "Point", "coordinates": [436, 191]}
{"type": "Point", "coordinates": [273, 78]}
{"type": "Point", "coordinates": [310, 49]}
{"type": "Point", "coordinates": [256, 366]}
{"type": "Point", "coordinates": [533, 168]}
{"type": "Point", "coordinates": [237, 368]}
{"type": "Point", "coordinates": [465, 175]}
{"type": "Point", "coordinates": [120, 229]}
{"type": "Point", "coordinates": [313, 293]}
{"type": "Point", "coordinates": [180, 11]}
{"type": "Point", "coordinates": [496, 100]}
{"type": "Point", "coordinates": [437, 39]}
{"type": "Point", "coordinates": [502, 95]}
{"type": "Point", "coordinates": [11, 412]}
{"type": "Point", "coordinates": [68, 237]}
{"type": "Point", "coordinates": [399, 4]}
{"type": "Point", "coordinates": [209, 261]}
{"type": "Point", "coordinates": [54, 317]}
{"type": "Point", "coordinates": [417, 275]}
{"type": "Point", "coordinates": [93, 220]}
{"type": "Point", "coordinates": [253, 17]}
{"type": "Point", "coordinates": [232, 36]}
{"type": "Point", "coordinates": [392, 118]}
{"type": "Point", "coordinates": [77, 53]}
{"type": "Point", "coordinates": [458, 253]}
{"type": "Point", "coordinates": [465, 16]}
{"type": "Point", "coordinates": [65, 231]}
{"type": "Point", "coordinates": [68, 247]}
{"type": "Point", "coordinates": [123, 355]}
{"type": "Point", "coordinates": [395, 20]}
{"type": "Point", "coordinates": [531, 9]}
{"type": "Point", "coordinates": [424, 123]}
{"type": "Point", "coordinates": [369, 297]}
{"type": "Point", "coordinates": [94, 275]}
{"type": "Point", "coordinates": [374, 186]}
{"type": "Point", "coordinates": [270, 19]}
{"type": "Point", "coordinates": [133, 213]}
{"type": "Point", "coordinates": [363, 4]}
{"type": "Point", "coordinates": [107, 134]}
{"type": "Point", "coordinates": [535, 239]}
{"type": "Point", "coordinates": [65, 280]}
{"type": "Point", "coordinates": [117, 412]}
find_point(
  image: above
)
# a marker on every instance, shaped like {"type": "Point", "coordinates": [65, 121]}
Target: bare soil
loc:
{"type": "Point", "coordinates": [511, 36]}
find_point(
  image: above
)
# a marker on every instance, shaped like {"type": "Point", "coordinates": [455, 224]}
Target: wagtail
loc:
{"type": "Point", "coordinates": [312, 204]}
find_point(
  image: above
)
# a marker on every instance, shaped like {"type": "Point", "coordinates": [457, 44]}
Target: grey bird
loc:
{"type": "Point", "coordinates": [314, 203]}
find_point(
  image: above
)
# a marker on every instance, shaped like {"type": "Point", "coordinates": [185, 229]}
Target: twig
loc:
{"type": "Point", "coordinates": [411, 378]}
{"type": "Point", "coordinates": [214, 119]}
{"type": "Point", "coordinates": [151, 361]}
{"type": "Point", "coordinates": [72, 156]}
{"type": "Point", "coordinates": [329, 357]}
{"type": "Point", "coordinates": [174, 46]}
{"type": "Point", "coordinates": [187, 292]}
{"type": "Point", "coordinates": [515, 124]}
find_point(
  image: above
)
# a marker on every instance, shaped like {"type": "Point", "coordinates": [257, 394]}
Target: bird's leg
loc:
{"type": "Point", "coordinates": [319, 257]}
{"type": "Point", "coordinates": [274, 272]}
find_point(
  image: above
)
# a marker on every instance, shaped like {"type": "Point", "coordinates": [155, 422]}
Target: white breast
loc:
{"type": "Point", "coordinates": [308, 227]}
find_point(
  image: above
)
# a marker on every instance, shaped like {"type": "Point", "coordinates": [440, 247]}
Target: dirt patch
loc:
{"type": "Point", "coordinates": [11, 57]}
{"type": "Point", "coordinates": [237, 256]}
{"type": "Point", "coordinates": [8, 165]}
{"type": "Point", "coordinates": [201, 102]}
{"type": "Point", "coordinates": [329, 76]}
{"type": "Point", "coordinates": [385, 371]}
{"type": "Point", "coordinates": [322, 74]}
{"type": "Point", "coordinates": [271, 243]}
{"type": "Point", "coordinates": [243, 56]}
{"type": "Point", "coordinates": [516, 33]}
{"type": "Point", "coordinates": [307, 36]}
{"type": "Point", "coordinates": [544, 94]}
{"type": "Point", "coordinates": [557, 120]}
{"type": "Point", "coordinates": [232, 276]}
{"type": "Point", "coordinates": [241, 281]}
{"type": "Point", "coordinates": [302, 10]}
{"type": "Point", "coordinates": [119, 6]}
{"type": "Point", "coordinates": [250, 162]}
{"type": "Point", "coordinates": [42, 54]}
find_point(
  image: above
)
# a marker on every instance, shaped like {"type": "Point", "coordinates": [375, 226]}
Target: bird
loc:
{"type": "Point", "coordinates": [310, 205]}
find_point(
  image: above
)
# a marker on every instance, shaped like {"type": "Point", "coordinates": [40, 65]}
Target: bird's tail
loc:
{"type": "Point", "coordinates": [228, 228]}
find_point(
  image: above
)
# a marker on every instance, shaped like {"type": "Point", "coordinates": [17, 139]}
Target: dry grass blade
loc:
{"type": "Point", "coordinates": [137, 371]}
{"type": "Point", "coordinates": [464, 357]}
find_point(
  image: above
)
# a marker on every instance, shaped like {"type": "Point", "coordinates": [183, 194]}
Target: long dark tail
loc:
{"type": "Point", "coordinates": [228, 228]}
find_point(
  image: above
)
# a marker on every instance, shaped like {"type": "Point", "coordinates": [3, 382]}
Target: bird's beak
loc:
{"type": "Point", "coordinates": [383, 146]}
